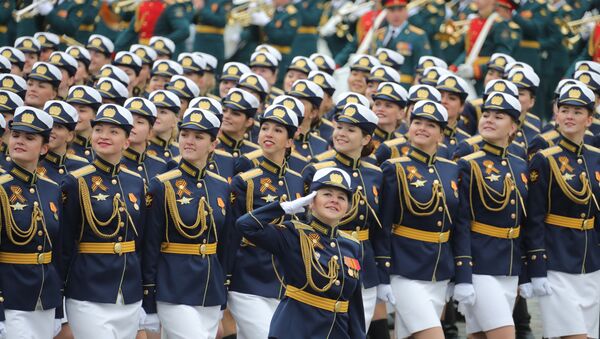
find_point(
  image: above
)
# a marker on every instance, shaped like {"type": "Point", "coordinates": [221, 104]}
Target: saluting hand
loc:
{"type": "Point", "coordinates": [297, 206]}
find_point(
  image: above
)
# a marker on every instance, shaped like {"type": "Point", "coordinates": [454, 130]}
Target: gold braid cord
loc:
{"type": "Point", "coordinates": [90, 216]}
{"type": "Point", "coordinates": [307, 248]}
{"type": "Point", "coordinates": [485, 191]}
{"type": "Point", "coordinates": [414, 206]}
{"type": "Point", "coordinates": [180, 226]}
{"type": "Point", "coordinates": [580, 197]}
{"type": "Point", "coordinates": [12, 230]}
{"type": "Point", "coordinates": [351, 215]}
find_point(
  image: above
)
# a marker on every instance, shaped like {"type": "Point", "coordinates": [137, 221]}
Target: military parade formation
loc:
{"type": "Point", "coordinates": [190, 169]}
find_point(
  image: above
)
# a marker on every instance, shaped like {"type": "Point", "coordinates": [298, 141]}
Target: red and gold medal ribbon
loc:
{"type": "Point", "coordinates": [489, 167]}
{"type": "Point", "coordinates": [17, 194]}
{"type": "Point", "coordinates": [181, 188]}
{"type": "Point", "coordinates": [266, 183]}
{"type": "Point", "coordinates": [564, 164]}
{"type": "Point", "coordinates": [97, 183]}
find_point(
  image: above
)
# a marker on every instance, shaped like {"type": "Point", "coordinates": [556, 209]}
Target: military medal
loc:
{"type": "Point", "coordinates": [98, 184]}
{"type": "Point", "coordinates": [221, 204]}
{"type": "Point", "coordinates": [454, 188]}
{"type": "Point", "coordinates": [269, 198]}
{"type": "Point", "coordinates": [54, 210]}
{"type": "Point", "coordinates": [376, 195]}
{"type": "Point", "coordinates": [491, 171]}
{"type": "Point", "coordinates": [100, 197]}
{"type": "Point", "coordinates": [133, 200]}
{"type": "Point", "coordinates": [414, 173]}
{"type": "Point", "coordinates": [353, 266]}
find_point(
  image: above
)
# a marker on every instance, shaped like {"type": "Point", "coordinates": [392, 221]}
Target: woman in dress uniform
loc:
{"type": "Point", "coordinates": [257, 283]}
{"type": "Point", "coordinates": [560, 237]}
{"type": "Point", "coordinates": [420, 197]}
{"type": "Point", "coordinates": [321, 265]}
{"type": "Point", "coordinates": [101, 244]}
{"type": "Point", "coordinates": [86, 101]}
{"type": "Point", "coordinates": [57, 162]}
{"type": "Point", "coordinates": [185, 240]}
{"type": "Point", "coordinates": [352, 141]}
{"type": "Point", "coordinates": [136, 157]}
{"type": "Point", "coordinates": [492, 190]}
{"type": "Point", "coordinates": [162, 143]}
{"type": "Point", "coordinates": [239, 109]}
{"type": "Point", "coordinates": [30, 267]}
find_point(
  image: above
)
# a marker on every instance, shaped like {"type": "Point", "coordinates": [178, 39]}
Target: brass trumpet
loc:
{"type": "Point", "coordinates": [29, 11]}
{"type": "Point", "coordinates": [241, 14]}
{"type": "Point", "coordinates": [452, 31]}
{"type": "Point", "coordinates": [571, 29]}
{"type": "Point", "coordinates": [124, 6]}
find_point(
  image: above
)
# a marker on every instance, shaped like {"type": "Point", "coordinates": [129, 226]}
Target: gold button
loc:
{"type": "Point", "coordinates": [32, 190]}
{"type": "Point", "coordinates": [512, 201]}
{"type": "Point", "coordinates": [519, 134]}
{"type": "Point", "coordinates": [146, 292]}
{"type": "Point", "coordinates": [582, 215]}
{"type": "Point", "coordinates": [121, 209]}
{"type": "Point", "coordinates": [361, 217]}
{"type": "Point", "coordinates": [121, 224]}
{"type": "Point", "coordinates": [40, 233]}
{"type": "Point", "coordinates": [284, 196]}
{"type": "Point", "coordinates": [583, 174]}
{"type": "Point", "coordinates": [235, 154]}
{"type": "Point", "coordinates": [355, 174]}
{"type": "Point", "coordinates": [503, 162]}
{"type": "Point", "coordinates": [355, 235]}
{"type": "Point", "coordinates": [460, 263]}
{"type": "Point", "coordinates": [544, 256]}
{"type": "Point", "coordinates": [359, 187]}
{"type": "Point", "coordinates": [86, 152]}
{"type": "Point", "coordinates": [440, 209]}
{"type": "Point", "coordinates": [144, 180]}
{"type": "Point", "coordinates": [337, 283]}
{"type": "Point", "coordinates": [338, 306]}
{"type": "Point", "coordinates": [280, 182]}
{"type": "Point", "coordinates": [40, 258]}
{"type": "Point", "coordinates": [439, 223]}
{"type": "Point", "coordinates": [304, 146]}
{"type": "Point", "coordinates": [120, 238]}
{"type": "Point", "coordinates": [199, 185]}
{"type": "Point", "coordinates": [579, 161]}
{"type": "Point", "coordinates": [35, 203]}
{"type": "Point", "coordinates": [39, 248]}
{"type": "Point", "coordinates": [8, 159]}
{"type": "Point", "coordinates": [211, 166]}
{"type": "Point", "coordinates": [431, 170]}
{"type": "Point", "coordinates": [513, 216]}
{"type": "Point", "coordinates": [140, 168]}
{"type": "Point", "coordinates": [1, 299]}
{"type": "Point", "coordinates": [470, 263]}
{"type": "Point", "coordinates": [452, 142]}
{"type": "Point", "coordinates": [522, 144]}
{"type": "Point", "coordinates": [245, 135]}
{"type": "Point", "coordinates": [114, 181]}
{"type": "Point", "coordinates": [358, 228]}
{"type": "Point", "coordinates": [361, 202]}
{"type": "Point", "coordinates": [61, 171]}
{"type": "Point", "coordinates": [308, 157]}
{"type": "Point", "coordinates": [167, 154]}
{"type": "Point", "coordinates": [118, 248]}
{"type": "Point", "coordinates": [387, 264]}
{"type": "Point", "coordinates": [332, 244]}
{"type": "Point", "coordinates": [335, 257]}
{"type": "Point", "coordinates": [508, 175]}
{"type": "Point", "coordinates": [533, 257]}
{"type": "Point", "coordinates": [436, 181]}
{"type": "Point", "coordinates": [202, 249]}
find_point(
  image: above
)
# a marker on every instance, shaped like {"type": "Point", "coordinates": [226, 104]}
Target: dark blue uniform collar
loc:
{"type": "Point", "coordinates": [272, 167]}
{"type": "Point", "coordinates": [55, 158]}
{"type": "Point", "coordinates": [347, 161]}
{"type": "Point", "coordinates": [160, 142]}
{"type": "Point", "coordinates": [570, 146]}
{"type": "Point", "coordinates": [82, 141]}
{"type": "Point", "coordinates": [421, 156]}
{"type": "Point", "coordinates": [3, 148]}
{"type": "Point", "coordinates": [383, 135]}
{"type": "Point", "coordinates": [449, 131]}
{"type": "Point", "coordinates": [106, 167]}
{"type": "Point", "coordinates": [136, 157]}
{"type": "Point", "coordinates": [493, 149]}
{"type": "Point", "coordinates": [22, 174]}
{"type": "Point", "coordinates": [322, 228]}
{"type": "Point", "coordinates": [230, 142]}
{"type": "Point", "coordinates": [303, 137]}
{"type": "Point", "coordinates": [191, 170]}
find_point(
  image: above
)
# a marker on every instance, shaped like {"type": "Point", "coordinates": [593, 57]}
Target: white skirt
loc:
{"type": "Point", "coordinates": [252, 314]}
{"type": "Point", "coordinates": [29, 324]}
{"type": "Point", "coordinates": [184, 321]}
{"type": "Point", "coordinates": [494, 302]}
{"type": "Point", "coordinates": [574, 305]}
{"type": "Point", "coordinates": [91, 320]}
{"type": "Point", "coordinates": [369, 297]}
{"type": "Point", "coordinates": [419, 304]}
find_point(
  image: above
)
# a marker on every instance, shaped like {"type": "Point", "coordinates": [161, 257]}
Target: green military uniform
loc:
{"type": "Point", "coordinates": [28, 26]}
{"type": "Point", "coordinates": [430, 18]}
{"type": "Point", "coordinates": [74, 18]}
{"type": "Point", "coordinates": [110, 23]}
{"type": "Point", "coordinates": [503, 37]}
{"type": "Point", "coordinates": [410, 41]}
{"type": "Point", "coordinates": [172, 23]}
{"type": "Point", "coordinates": [449, 50]}
{"type": "Point", "coordinates": [6, 10]}
{"type": "Point", "coordinates": [210, 24]}
{"type": "Point", "coordinates": [305, 42]}
{"type": "Point", "coordinates": [532, 18]}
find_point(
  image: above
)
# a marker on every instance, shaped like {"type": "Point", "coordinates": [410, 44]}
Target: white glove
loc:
{"type": "Point", "coordinates": [142, 318]}
{"type": "Point", "coordinates": [449, 291]}
{"type": "Point", "coordinates": [384, 293]}
{"type": "Point", "coordinates": [465, 71]}
{"type": "Point", "coordinates": [526, 290]}
{"type": "Point", "coordinates": [260, 18]}
{"type": "Point", "coordinates": [297, 206]}
{"type": "Point", "coordinates": [57, 326]}
{"type": "Point", "coordinates": [151, 323]}
{"type": "Point", "coordinates": [45, 7]}
{"type": "Point", "coordinates": [541, 287]}
{"type": "Point", "coordinates": [2, 330]}
{"type": "Point", "coordinates": [465, 295]}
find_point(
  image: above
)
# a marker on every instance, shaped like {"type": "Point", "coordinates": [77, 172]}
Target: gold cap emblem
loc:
{"type": "Point", "coordinates": [278, 112]}
{"type": "Point", "coordinates": [233, 70]}
{"type": "Point", "coordinates": [27, 118]}
{"type": "Point", "coordinates": [575, 94]}
{"type": "Point", "coordinates": [235, 97]}
{"type": "Point", "coordinates": [350, 111]}
{"type": "Point", "coordinates": [3, 99]}
{"type": "Point", "coordinates": [499, 86]}
{"type": "Point", "coordinates": [137, 104]}
{"type": "Point", "coordinates": [336, 178]}
{"type": "Point", "coordinates": [163, 67]}
{"type": "Point", "coordinates": [387, 89]}
{"type": "Point", "coordinates": [160, 97]}
{"type": "Point", "coordinates": [422, 93]}
{"type": "Point", "coordinates": [261, 58]}
{"type": "Point", "coordinates": [187, 61]}
{"type": "Point", "coordinates": [96, 42]}
{"type": "Point", "coordinates": [127, 59]}
{"type": "Point", "coordinates": [109, 112]}
{"type": "Point", "coordinates": [204, 104]}
{"type": "Point", "coordinates": [55, 110]}
{"type": "Point", "coordinates": [289, 104]}
{"type": "Point", "coordinates": [78, 93]}
{"type": "Point", "coordinates": [429, 109]}
{"type": "Point", "coordinates": [497, 100]}
{"type": "Point", "coordinates": [195, 117]}
{"type": "Point", "coordinates": [300, 87]}
{"type": "Point", "coordinates": [363, 61]}
{"type": "Point", "coordinates": [106, 86]}
{"type": "Point", "coordinates": [252, 80]}
{"type": "Point", "coordinates": [41, 69]}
